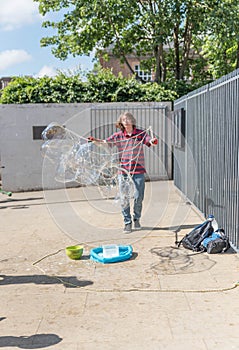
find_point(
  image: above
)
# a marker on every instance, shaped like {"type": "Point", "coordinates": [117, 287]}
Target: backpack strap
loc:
{"type": "Point", "coordinates": [177, 243]}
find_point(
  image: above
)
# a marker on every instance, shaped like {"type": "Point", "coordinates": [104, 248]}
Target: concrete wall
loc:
{"type": "Point", "coordinates": [20, 154]}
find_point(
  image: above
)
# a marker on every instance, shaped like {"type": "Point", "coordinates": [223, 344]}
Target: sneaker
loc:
{"type": "Point", "coordinates": [137, 225]}
{"type": "Point", "coordinates": [128, 228]}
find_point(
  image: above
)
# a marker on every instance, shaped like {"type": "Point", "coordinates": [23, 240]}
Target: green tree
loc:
{"type": "Point", "coordinates": [162, 31]}
{"type": "Point", "coordinates": [220, 46]}
{"type": "Point", "coordinates": [173, 36]}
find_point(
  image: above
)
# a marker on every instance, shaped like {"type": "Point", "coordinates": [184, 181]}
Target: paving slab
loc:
{"type": "Point", "coordinates": [164, 297]}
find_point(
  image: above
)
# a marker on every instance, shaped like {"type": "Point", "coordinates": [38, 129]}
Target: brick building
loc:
{"type": "Point", "coordinates": [118, 67]}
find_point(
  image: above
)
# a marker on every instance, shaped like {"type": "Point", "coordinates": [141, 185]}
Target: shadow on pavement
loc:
{"type": "Point", "coordinates": [18, 206]}
{"type": "Point", "coordinates": [167, 228]}
{"type": "Point", "coordinates": [12, 205]}
{"type": "Point", "coordinates": [10, 200]}
{"type": "Point", "coordinates": [69, 282]}
{"type": "Point", "coordinates": [36, 341]}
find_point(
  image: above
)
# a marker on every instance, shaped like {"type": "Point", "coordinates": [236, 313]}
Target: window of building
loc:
{"type": "Point", "coordinates": [147, 76]}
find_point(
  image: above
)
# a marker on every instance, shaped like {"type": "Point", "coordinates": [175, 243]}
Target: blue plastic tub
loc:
{"type": "Point", "coordinates": [125, 253]}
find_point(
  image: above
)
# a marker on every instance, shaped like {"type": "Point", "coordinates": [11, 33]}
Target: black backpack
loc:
{"type": "Point", "coordinates": [193, 240]}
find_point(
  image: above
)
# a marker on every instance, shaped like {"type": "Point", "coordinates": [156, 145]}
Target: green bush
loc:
{"type": "Point", "coordinates": [156, 92]}
{"type": "Point", "coordinates": [129, 90]}
{"type": "Point", "coordinates": [101, 86]}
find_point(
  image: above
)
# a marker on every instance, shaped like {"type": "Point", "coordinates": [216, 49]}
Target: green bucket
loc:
{"type": "Point", "coordinates": [74, 252]}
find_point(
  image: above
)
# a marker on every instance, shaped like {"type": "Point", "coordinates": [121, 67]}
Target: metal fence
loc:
{"type": "Point", "coordinates": [206, 166]}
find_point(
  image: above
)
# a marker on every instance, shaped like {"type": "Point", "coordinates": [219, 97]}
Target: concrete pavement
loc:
{"type": "Point", "coordinates": [163, 298]}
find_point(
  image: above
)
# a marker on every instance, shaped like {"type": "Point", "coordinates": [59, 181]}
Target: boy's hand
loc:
{"type": "Point", "coordinates": [154, 141]}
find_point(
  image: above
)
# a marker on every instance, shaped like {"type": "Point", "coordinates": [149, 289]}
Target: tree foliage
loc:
{"type": "Point", "coordinates": [220, 45]}
{"type": "Point", "coordinates": [169, 34]}
{"type": "Point", "coordinates": [101, 87]}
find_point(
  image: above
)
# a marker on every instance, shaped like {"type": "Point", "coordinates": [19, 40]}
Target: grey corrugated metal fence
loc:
{"type": "Point", "coordinates": [206, 167]}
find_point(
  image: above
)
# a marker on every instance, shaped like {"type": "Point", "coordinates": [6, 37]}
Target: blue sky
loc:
{"type": "Point", "coordinates": [20, 51]}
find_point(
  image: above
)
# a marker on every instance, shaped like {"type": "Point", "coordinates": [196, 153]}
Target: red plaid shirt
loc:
{"type": "Point", "coordinates": [130, 148]}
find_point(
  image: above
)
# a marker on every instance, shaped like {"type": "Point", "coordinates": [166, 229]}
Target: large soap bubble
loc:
{"type": "Point", "coordinates": [88, 163]}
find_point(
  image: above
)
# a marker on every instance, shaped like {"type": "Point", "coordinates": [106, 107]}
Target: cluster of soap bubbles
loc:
{"type": "Point", "coordinates": [88, 163]}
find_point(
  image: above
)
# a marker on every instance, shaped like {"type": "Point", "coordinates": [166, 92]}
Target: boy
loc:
{"type": "Point", "coordinates": [129, 141]}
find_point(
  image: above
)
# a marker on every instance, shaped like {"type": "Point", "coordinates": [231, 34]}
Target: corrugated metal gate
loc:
{"type": "Point", "coordinates": [206, 170]}
{"type": "Point", "coordinates": [158, 160]}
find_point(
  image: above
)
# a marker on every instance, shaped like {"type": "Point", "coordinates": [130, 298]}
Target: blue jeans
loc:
{"type": "Point", "coordinates": [124, 187]}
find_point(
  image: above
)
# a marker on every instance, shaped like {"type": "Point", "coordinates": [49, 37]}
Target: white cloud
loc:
{"type": "Point", "coordinates": [47, 71]}
{"type": "Point", "coordinates": [16, 13]}
{"type": "Point", "coordinates": [10, 58]}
